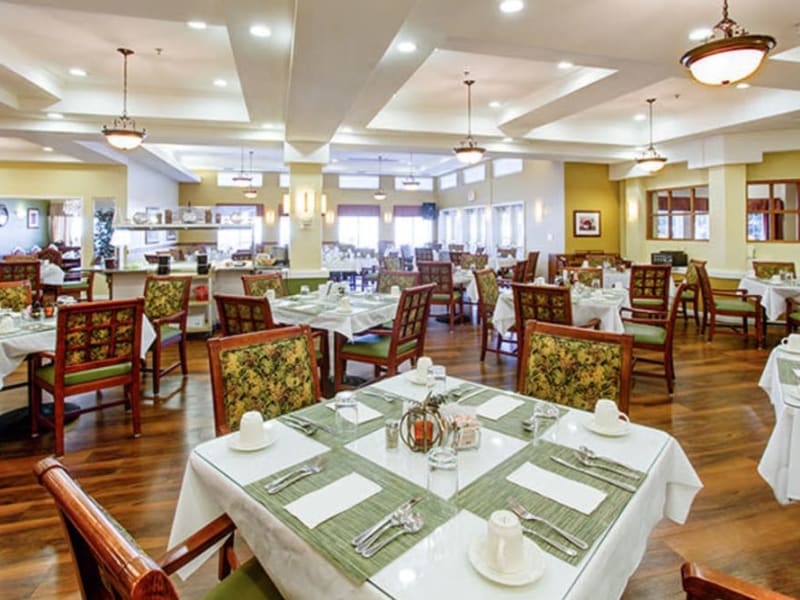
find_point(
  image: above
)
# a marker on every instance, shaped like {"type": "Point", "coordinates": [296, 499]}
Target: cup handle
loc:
{"type": "Point", "coordinates": [624, 417]}
{"type": "Point", "coordinates": [785, 342]}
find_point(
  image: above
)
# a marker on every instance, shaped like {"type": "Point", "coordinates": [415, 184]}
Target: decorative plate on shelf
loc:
{"type": "Point", "coordinates": [140, 218]}
{"type": "Point", "coordinates": [188, 217]}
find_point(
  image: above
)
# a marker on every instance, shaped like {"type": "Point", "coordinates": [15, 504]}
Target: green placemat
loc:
{"type": "Point", "coordinates": [332, 538]}
{"type": "Point", "coordinates": [786, 371]}
{"type": "Point", "coordinates": [492, 491]}
{"type": "Point", "coordinates": [511, 423]}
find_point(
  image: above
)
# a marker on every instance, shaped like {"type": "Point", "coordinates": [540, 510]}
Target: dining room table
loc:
{"type": "Point", "coordinates": [773, 293]}
{"type": "Point", "coordinates": [780, 462]}
{"type": "Point", "coordinates": [302, 534]}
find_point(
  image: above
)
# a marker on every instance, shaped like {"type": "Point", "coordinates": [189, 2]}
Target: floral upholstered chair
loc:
{"type": "Point", "coordinates": [575, 367]}
{"type": "Point", "coordinates": [166, 305]}
{"type": "Point", "coordinates": [488, 293]}
{"type": "Point", "coordinates": [423, 254]}
{"type": "Point", "coordinates": [273, 372]}
{"type": "Point", "coordinates": [766, 269]}
{"type": "Point", "coordinates": [20, 270]}
{"type": "Point", "coordinates": [402, 279]}
{"type": "Point", "coordinates": [391, 263]}
{"type": "Point", "coordinates": [15, 295]}
{"type": "Point", "coordinates": [649, 287]}
{"type": "Point", "coordinates": [243, 314]}
{"type": "Point", "coordinates": [586, 275]}
{"type": "Point", "coordinates": [548, 303]}
{"type": "Point", "coordinates": [474, 261]}
{"type": "Point", "coordinates": [257, 285]}
{"type": "Point", "coordinates": [530, 266]}
{"type": "Point", "coordinates": [691, 293]}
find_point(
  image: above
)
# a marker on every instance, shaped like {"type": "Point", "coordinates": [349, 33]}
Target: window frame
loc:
{"type": "Point", "coordinates": [692, 213]}
{"type": "Point", "coordinates": [771, 212]}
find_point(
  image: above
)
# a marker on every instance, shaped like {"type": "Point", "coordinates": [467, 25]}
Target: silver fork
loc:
{"type": "Point", "coordinates": [306, 428]}
{"type": "Point", "coordinates": [525, 514]}
{"type": "Point", "coordinates": [291, 477]}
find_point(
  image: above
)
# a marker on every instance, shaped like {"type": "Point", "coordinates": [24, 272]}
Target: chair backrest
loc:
{"type": "Point", "coordinates": [243, 314]}
{"type": "Point", "coordinates": [109, 563]}
{"type": "Point", "coordinates": [15, 295]}
{"type": "Point", "coordinates": [530, 266]}
{"type": "Point", "coordinates": [548, 303]}
{"type": "Point", "coordinates": [705, 284]}
{"type": "Point", "coordinates": [52, 254]}
{"type": "Point", "coordinates": [474, 261]}
{"type": "Point", "coordinates": [455, 256]}
{"type": "Point", "coordinates": [692, 277]}
{"type": "Point", "coordinates": [438, 272]}
{"type": "Point", "coordinates": [411, 320]}
{"type": "Point", "coordinates": [391, 263]}
{"type": "Point", "coordinates": [402, 279]}
{"type": "Point", "coordinates": [257, 285]}
{"type": "Point", "coordinates": [650, 284]}
{"type": "Point", "coordinates": [519, 272]}
{"type": "Point", "coordinates": [488, 291]}
{"type": "Point", "coordinates": [166, 295]}
{"type": "Point", "coordinates": [586, 275]}
{"type": "Point", "coordinates": [273, 372]}
{"type": "Point", "coordinates": [575, 367]}
{"type": "Point", "coordinates": [506, 252]}
{"type": "Point", "coordinates": [599, 260]}
{"type": "Point", "coordinates": [423, 254]}
{"type": "Point", "coordinates": [455, 247]}
{"type": "Point", "coordinates": [766, 269]}
{"type": "Point", "coordinates": [19, 270]}
{"type": "Point", "coordinates": [702, 583]}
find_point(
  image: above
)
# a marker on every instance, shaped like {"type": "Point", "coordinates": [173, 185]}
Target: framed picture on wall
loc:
{"type": "Point", "coordinates": [33, 218]}
{"type": "Point", "coordinates": [586, 223]}
{"type": "Point", "coordinates": [171, 235]}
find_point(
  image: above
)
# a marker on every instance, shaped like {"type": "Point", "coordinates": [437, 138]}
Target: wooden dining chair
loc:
{"type": "Point", "coordinates": [691, 294]}
{"type": "Point", "coordinates": [649, 286]}
{"type": "Point", "coordinates": [402, 279]}
{"type": "Point", "coordinates": [257, 285]}
{"type": "Point", "coordinates": [423, 254]}
{"type": "Point", "coordinates": [19, 270]}
{"type": "Point", "coordinates": [702, 583]}
{"type": "Point", "coordinates": [166, 305]}
{"type": "Point", "coordinates": [488, 294]}
{"type": "Point", "coordinates": [586, 275]}
{"type": "Point", "coordinates": [386, 351]}
{"type": "Point", "coordinates": [272, 371]}
{"type": "Point", "coordinates": [574, 366]}
{"type": "Point", "coordinates": [441, 275]}
{"type": "Point", "coordinates": [764, 269]}
{"type": "Point", "coordinates": [792, 314]}
{"type": "Point", "coordinates": [653, 331]}
{"type": "Point", "coordinates": [15, 295]}
{"type": "Point", "coordinates": [391, 263]}
{"type": "Point", "coordinates": [547, 303]}
{"type": "Point", "coordinates": [110, 564]}
{"type": "Point", "coordinates": [530, 266]}
{"type": "Point", "coordinates": [97, 347]}
{"type": "Point", "coordinates": [474, 261]}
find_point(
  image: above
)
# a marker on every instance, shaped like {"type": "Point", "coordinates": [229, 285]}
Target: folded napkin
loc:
{"type": "Point", "coordinates": [365, 413]}
{"type": "Point", "coordinates": [498, 406]}
{"type": "Point", "coordinates": [796, 373]}
{"type": "Point", "coordinates": [579, 496]}
{"type": "Point", "coordinates": [317, 507]}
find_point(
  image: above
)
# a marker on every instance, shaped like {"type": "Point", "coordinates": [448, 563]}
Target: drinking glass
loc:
{"type": "Point", "coordinates": [346, 407]}
{"type": "Point", "coordinates": [443, 472]}
{"type": "Point", "coordinates": [544, 415]}
{"type": "Point", "coordinates": [439, 374]}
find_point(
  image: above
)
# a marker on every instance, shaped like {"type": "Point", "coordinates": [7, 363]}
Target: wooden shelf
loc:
{"type": "Point", "coordinates": [181, 226]}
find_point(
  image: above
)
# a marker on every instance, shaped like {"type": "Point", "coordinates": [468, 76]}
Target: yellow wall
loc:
{"type": "Point", "coordinates": [588, 188]}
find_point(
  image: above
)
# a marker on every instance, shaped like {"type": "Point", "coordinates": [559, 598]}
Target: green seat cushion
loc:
{"type": "Point", "coordinates": [75, 285]}
{"type": "Point", "coordinates": [688, 295]}
{"type": "Point", "coordinates": [169, 331]}
{"type": "Point", "coordinates": [48, 374]}
{"type": "Point", "coordinates": [648, 302]}
{"type": "Point", "coordinates": [446, 297]}
{"type": "Point", "coordinates": [248, 582]}
{"type": "Point", "coordinates": [734, 306]}
{"type": "Point", "coordinates": [375, 346]}
{"type": "Point", "coordinates": [795, 316]}
{"type": "Point", "coordinates": [646, 334]}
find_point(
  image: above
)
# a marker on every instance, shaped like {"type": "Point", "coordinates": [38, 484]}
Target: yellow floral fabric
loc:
{"type": "Point", "coordinates": [572, 372]}
{"type": "Point", "coordinates": [474, 261]}
{"type": "Point", "coordinates": [765, 270]}
{"type": "Point", "coordinates": [16, 297]}
{"type": "Point", "coordinates": [259, 286]}
{"type": "Point", "coordinates": [551, 306]}
{"type": "Point", "coordinates": [164, 297]}
{"type": "Point", "coordinates": [587, 276]}
{"type": "Point", "coordinates": [99, 335]}
{"type": "Point", "coordinates": [273, 378]}
{"type": "Point", "coordinates": [20, 271]}
{"type": "Point", "coordinates": [402, 279]}
{"type": "Point", "coordinates": [488, 291]}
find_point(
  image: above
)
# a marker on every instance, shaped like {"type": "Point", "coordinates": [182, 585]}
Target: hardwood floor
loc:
{"type": "Point", "coordinates": [718, 414]}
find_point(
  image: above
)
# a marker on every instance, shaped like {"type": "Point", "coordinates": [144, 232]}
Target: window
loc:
{"type": "Point", "coordinates": [474, 174]}
{"type": "Point", "coordinates": [678, 214]}
{"type": "Point", "coordinates": [447, 226]}
{"type": "Point", "coordinates": [359, 182]}
{"type": "Point", "coordinates": [410, 229]}
{"type": "Point", "coordinates": [448, 181]}
{"type": "Point", "coordinates": [475, 226]}
{"type": "Point", "coordinates": [506, 166]}
{"type": "Point", "coordinates": [283, 180]}
{"type": "Point", "coordinates": [284, 230]}
{"type": "Point", "coordinates": [359, 224]}
{"type": "Point", "coordinates": [509, 225]}
{"type": "Point", "coordinates": [773, 212]}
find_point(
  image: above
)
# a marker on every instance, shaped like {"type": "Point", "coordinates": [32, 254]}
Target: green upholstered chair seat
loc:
{"type": "Point", "coordinates": [648, 302]}
{"type": "Point", "coordinates": [734, 306]}
{"type": "Point", "coordinates": [375, 346]}
{"type": "Point", "coordinates": [248, 582]}
{"type": "Point", "coordinates": [688, 295]}
{"type": "Point", "coordinates": [795, 316]}
{"type": "Point", "coordinates": [646, 334]}
{"type": "Point", "coordinates": [445, 297]}
{"type": "Point", "coordinates": [169, 331]}
{"type": "Point", "coordinates": [48, 374]}
{"type": "Point", "coordinates": [75, 285]}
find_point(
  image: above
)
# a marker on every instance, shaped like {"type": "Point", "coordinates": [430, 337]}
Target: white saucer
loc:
{"type": "Point", "coordinates": [233, 444]}
{"type": "Point", "coordinates": [415, 379]}
{"type": "Point", "coordinates": [789, 350]}
{"type": "Point", "coordinates": [623, 428]}
{"type": "Point", "coordinates": [532, 571]}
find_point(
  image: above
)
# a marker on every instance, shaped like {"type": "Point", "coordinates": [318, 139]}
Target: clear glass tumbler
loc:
{"type": "Point", "coordinates": [346, 407]}
{"type": "Point", "coordinates": [439, 375]}
{"type": "Point", "coordinates": [443, 472]}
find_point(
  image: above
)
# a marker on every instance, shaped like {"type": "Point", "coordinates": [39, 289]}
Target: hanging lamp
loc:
{"type": "Point", "coordinates": [651, 161]}
{"type": "Point", "coordinates": [379, 194]}
{"type": "Point", "coordinates": [411, 184]}
{"type": "Point", "coordinates": [241, 179]}
{"type": "Point", "coordinates": [123, 135]}
{"type": "Point", "coordinates": [468, 151]}
{"type": "Point", "coordinates": [251, 193]}
{"type": "Point", "coordinates": [729, 55]}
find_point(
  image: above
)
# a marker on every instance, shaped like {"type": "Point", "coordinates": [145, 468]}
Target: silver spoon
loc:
{"type": "Point", "coordinates": [413, 524]}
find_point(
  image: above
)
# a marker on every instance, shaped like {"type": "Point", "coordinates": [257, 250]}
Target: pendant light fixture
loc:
{"type": "Point", "coordinates": [468, 151]}
{"type": "Point", "coordinates": [251, 193]}
{"type": "Point", "coordinates": [242, 179]}
{"type": "Point", "coordinates": [730, 54]}
{"type": "Point", "coordinates": [651, 161]}
{"type": "Point", "coordinates": [379, 194]}
{"type": "Point", "coordinates": [123, 135]}
{"type": "Point", "coordinates": [411, 184]}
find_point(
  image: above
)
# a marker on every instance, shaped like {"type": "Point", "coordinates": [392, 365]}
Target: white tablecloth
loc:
{"type": "Point", "coordinates": [584, 309]}
{"type": "Point", "coordinates": [437, 566]}
{"type": "Point", "coordinates": [773, 295]}
{"type": "Point", "coordinates": [780, 463]}
{"type": "Point", "coordinates": [50, 274]}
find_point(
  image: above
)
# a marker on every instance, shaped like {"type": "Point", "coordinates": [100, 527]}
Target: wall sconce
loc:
{"type": "Point", "coordinates": [269, 217]}
{"type": "Point", "coordinates": [538, 211]}
{"type": "Point", "coordinates": [329, 218]}
{"type": "Point", "coordinates": [633, 210]}
{"type": "Point", "coordinates": [287, 204]}
{"type": "Point", "coordinates": [323, 204]}
{"type": "Point", "coordinates": [304, 207]}
{"type": "Point", "coordinates": [387, 217]}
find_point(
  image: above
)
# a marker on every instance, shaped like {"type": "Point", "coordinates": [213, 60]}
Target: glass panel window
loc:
{"type": "Point", "coordinates": [362, 232]}
{"type": "Point", "coordinates": [773, 213]}
{"type": "Point", "coordinates": [412, 231]}
{"type": "Point", "coordinates": [474, 174]}
{"type": "Point", "coordinates": [230, 240]}
{"type": "Point", "coordinates": [506, 166]}
{"type": "Point", "coordinates": [448, 181]}
{"type": "Point", "coordinates": [425, 184]}
{"type": "Point", "coordinates": [678, 214]}
{"type": "Point", "coordinates": [284, 230]}
{"type": "Point", "coordinates": [359, 182]}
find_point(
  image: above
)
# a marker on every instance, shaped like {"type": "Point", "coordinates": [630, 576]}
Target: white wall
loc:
{"type": "Point", "coordinates": [148, 189]}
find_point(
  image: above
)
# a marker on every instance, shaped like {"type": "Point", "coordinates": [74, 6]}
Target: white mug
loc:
{"type": "Point", "coordinates": [607, 416]}
{"type": "Point", "coordinates": [395, 290]}
{"type": "Point", "coordinates": [7, 324]}
{"type": "Point", "coordinates": [271, 295]}
{"type": "Point", "coordinates": [792, 342]}
{"type": "Point", "coordinates": [424, 365]}
{"type": "Point", "coordinates": [251, 429]}
{"type": "Point", "coordinates": [504, 542]}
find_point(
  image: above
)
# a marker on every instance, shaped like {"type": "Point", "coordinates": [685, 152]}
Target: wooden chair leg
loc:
{"type": "Point", "coordinates": [156, 368]}
{"type": "Point", "coordinates": [182, 353]}
{"type": "Point", "coordinates": [452, 308]}
{"type": "Point", "coordinates": [58, 424]}
{"type": "Point", "coordinates": [136, 409]}
{"type": "Point", "coordinates": [35, 399]}
{"type": "Point", "coordinates": [694, 310]}
{"type": "Point", "coordinates": [484, 339]}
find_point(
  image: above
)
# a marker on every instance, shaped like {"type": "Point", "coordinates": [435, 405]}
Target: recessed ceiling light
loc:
{"type": "Point", "coordinates": [494, 104]}
{"type": "Point", "coordinates": [639, 117]}
{"type": "Point", "coordinates": [406, 47]}
{"type": "Point", "coordinates": [55, 115]}
{"type": "Point", "coordinates": [196, 24]}
{"type": "Point", "coordinates": [698, 35]}
{"type": "Point", "coordinates": [565, 64]}
{"type": "Point", "coordinates": [259, 30]}
{"type": "Point", "coordinates": [220, 82]}
{"type": "Point", "coordinates": [77, 72]}
{"type": "Point", "coordinates": [47, 148]}
{"type": "Point", "coordinates": [508, 139]}
{"type": "Point", "coordinates": [511, 6]}
{"type": "Point", "coordinates": [742, 86]}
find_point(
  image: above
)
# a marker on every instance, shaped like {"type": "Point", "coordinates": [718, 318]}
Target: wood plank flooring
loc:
{"type": "Point", "coordinates": [718, 414]}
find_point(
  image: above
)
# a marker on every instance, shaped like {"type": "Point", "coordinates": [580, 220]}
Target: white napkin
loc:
{"type": "Point", "coordinates": [317, 507]}
{"type": "Point", "coordinates": [498, 406]}
{"type": "Point", "coordinates": [365, 413]}
{"type": "Point", "coordinates": [579, 496]}
{"type": "Point", "coordinates": [796, 372]}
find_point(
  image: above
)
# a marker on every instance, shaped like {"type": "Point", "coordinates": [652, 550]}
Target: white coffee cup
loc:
{"type": "Point", "coordinates": [585, 264]}
{"type": "Point", "coordinates": [271, 295]}
{"type": "Point", "coordinates": [251, 429]}
{"type": "Point", "coordinates": [394, 291]}
{"type": "Point", "coordinates": [504, 542]}
{"type": "Point", "coordinates": [7, 324]}
{"type": "Point", "coordinates": [607, 415]}
{"type": "Point", "coordinates": [792, 342]}
{"type": "Point", "coordinates": [424, 365]}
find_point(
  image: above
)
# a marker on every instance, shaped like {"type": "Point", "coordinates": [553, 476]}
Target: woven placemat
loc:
{"type": "Point", "coordinates": [511, 423]}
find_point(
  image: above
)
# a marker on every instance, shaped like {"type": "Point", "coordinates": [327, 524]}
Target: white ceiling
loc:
{"type": "Point", "coordinates": [331, 73]}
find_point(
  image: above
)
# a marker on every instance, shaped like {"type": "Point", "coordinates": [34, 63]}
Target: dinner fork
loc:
{"type": "Point", "coordinates": [306, 428]}
{"type": "Point", "coordinates": [525, 514]}
{"type": "Point", "coordinates": [291, 477]}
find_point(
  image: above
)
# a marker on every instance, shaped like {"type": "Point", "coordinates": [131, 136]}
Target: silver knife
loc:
{"type": "Point", "coordinates": [308, 421]}
{"type": "Point", "coordinates": [361, 537]}
{"type": "Point", "coordinates": [470, 395]}
{"type": "Point", "coordinates": [553, 543]}
{"type": "Point", "coordinates": [619, 484]}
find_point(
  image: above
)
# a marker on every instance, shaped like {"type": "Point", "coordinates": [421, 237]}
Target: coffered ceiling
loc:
{"type": "Point", "coordinates": [332, 72]}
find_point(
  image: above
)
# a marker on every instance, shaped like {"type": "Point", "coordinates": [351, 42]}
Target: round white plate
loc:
{"type": "Point", "coordinates": [532, 571]}
{"type": "Point", "coordinates": [789, 350]}
{"type": "Point", "coordinates": [415, 379]}
{"type": "Point", "coordinates": [623, 428]}
{"type": "Point", "coordinates": [234, 444]}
